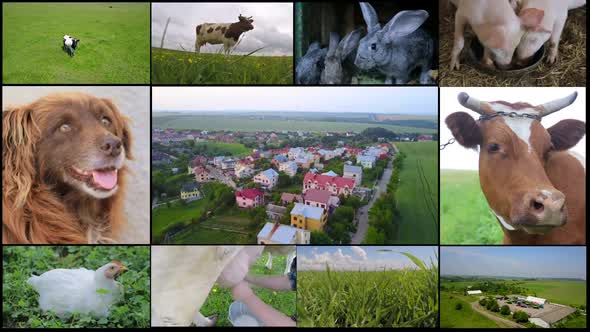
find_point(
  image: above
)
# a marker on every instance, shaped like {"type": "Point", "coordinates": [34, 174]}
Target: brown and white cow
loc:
{"type": "Point", "coordinates": [222, 33]}
{"type": "Point", "coordinates": [533, 184]}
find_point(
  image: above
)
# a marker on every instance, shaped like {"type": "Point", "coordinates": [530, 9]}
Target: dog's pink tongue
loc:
{"type": "Point", "coordinates": [105, 179]}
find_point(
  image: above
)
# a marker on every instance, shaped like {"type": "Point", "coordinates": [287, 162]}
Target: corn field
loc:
{"type": "Point", "coordinates": [388, 298]}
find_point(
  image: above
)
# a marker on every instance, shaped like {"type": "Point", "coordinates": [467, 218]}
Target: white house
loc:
{"type": "Point", "coordinates": [353, 172]}
{"type": "Point", "coordinates": [295, 153]}
{"type": "Point", "coordinates": [366, 161]}
{"type": "Point", "coordinates": [243, 172]}
{"type": "Point", "coordinates": [267, 179]}
{"type": "Point", "coordinates": [473, 292]}
{"type": "Point", "coordinates": [275, 233]}
{"type": "Point", "coordinates": [290, 168]}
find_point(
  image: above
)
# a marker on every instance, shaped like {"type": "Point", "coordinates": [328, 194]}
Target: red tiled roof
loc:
{"type": "Point", "coordinates": [317, 195]}
{"type": "Point", "coordinates": [323, 179]}
{"type": "Point", "coordinates": [249, 193]}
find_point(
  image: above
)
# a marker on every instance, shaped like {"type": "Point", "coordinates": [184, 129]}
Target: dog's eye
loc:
{"type": "Point", "coordinates": [493, 147]}
{"type": "Point", "coordinates": [373, 46]}
{"type": "Point", "coordinates": [64, 128]}
{"type": "Point", "coordinates": [106, 122]}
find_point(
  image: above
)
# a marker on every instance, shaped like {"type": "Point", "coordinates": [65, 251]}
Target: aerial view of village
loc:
{"type": "Point", "coordinates": [342, 166]}
{"type": "Point", "coordinates": [513, 287]}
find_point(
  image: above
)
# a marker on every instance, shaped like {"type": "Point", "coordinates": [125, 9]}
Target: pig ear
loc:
{"type": "Point", "coordinates": [531, 18]}
{"type": "Point", "coordinates": [404, 23]}
{"type": "Point", "coordinates": [566, 133]}
{"type": "Point", "coordinates": [465, 130]}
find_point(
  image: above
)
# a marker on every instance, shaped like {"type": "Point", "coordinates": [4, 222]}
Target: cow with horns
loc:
{"type": "Point", "coordinates": [533, 184]}
{"type": "Point", "coordinates": [227, 34]}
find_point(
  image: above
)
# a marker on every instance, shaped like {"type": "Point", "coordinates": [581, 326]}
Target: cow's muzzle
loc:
{"type": "Point", "coordinates": [538, 212]}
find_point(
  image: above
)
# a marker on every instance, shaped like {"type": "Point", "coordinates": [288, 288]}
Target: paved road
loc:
{"type": "Point", "coordinates": [502, 321]}
{"type": "Point", "coordinates": [363, 212]}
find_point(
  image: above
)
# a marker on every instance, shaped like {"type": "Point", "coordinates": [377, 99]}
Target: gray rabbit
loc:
{"type": "Point", "coordinates": [398, 48]}
{"type": "Point", "coordinates": [310, 66]}
{"type": "Point", "coordinates": [339, 64]}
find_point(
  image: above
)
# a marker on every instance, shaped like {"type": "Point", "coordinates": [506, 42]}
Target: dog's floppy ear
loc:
{"type": "Point", "coordinates": [123, 130]}
{"type": "Point", "coordinates": [20, 135]}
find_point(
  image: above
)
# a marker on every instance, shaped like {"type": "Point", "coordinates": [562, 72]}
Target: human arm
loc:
{"type": "Point", "coordinates": [267, 314]}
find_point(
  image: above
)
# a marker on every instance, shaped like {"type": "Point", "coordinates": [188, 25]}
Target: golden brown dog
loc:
{"type": "Point", "coordinates": [63, 169]}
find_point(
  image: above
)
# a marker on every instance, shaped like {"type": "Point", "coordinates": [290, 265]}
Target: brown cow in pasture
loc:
{"type": "Point", "coordinates": [533, 184]}
{"type": "Point", "coordinates": [227, 34]}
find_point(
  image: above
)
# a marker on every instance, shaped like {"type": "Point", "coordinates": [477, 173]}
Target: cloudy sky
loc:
{"type": "Point", "coordinates": [361, 257]}
{"type": "Point", "coordinates": [540, 262]}
{"type": "Point", "coordinates": [273, 25]}
{"type": "Point", "coordinates": [404, 100]}
{"type": "Point", "coordinates": [455, 156]}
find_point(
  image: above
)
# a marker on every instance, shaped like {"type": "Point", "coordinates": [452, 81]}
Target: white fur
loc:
{"type": "Point", "coordinates": [520, 126]}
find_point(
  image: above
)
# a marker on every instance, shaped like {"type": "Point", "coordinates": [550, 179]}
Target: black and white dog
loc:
{"type": "Point", "coordinates": [70, 44]}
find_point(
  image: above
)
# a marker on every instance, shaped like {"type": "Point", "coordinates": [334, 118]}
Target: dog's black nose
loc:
{"type": "Point", "coordinates": [111, 146]}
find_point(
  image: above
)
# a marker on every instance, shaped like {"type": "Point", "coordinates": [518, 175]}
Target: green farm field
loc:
{"type": "Point", "coordinates": [466, 217]}
{"type": "Point", "coordinates": [234, 149]}
{"type": "Point", "coordinates": [395, 298]}
{"type": "Point", "coordinates": [180, 67]}
{"type": "Point", "coordinates": [203, 122]}
{"type": "Point", "coordinates": [220, 299]}
{"type": "Point", "coordinates": [466, 317]}
{"type": "Point", "coordinates": [568, 292]}
{"type": "Point", "coordinates": [114, 43]}
{"type": "Point", "coordinates": [417, 194]}
{"type": "Point", "coordinates": [164, 216]}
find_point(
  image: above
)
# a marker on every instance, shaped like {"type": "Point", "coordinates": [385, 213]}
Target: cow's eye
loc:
{"type": "Point", "coordinates": [374, 46]}
{"type": "Point", "coordinates": [493, 147]}
{"type": "Point", "coordinates": [105, 121]}
{"type": "Point", "coordinates": [64, 128]}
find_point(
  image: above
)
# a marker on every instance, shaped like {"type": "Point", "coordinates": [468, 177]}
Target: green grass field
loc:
{"type": "Point", "coordinates": [202, 122]}
{"type": "Point", "coordinates": [114, 43]}
{"type": "Point", "coordinates": [568, 292]}
{"type": "Point", "coordinates": [234, 149]}
{"type": "Point", "coordinates": [199, 235]}
{"type": "Point", "coordinates": [559, 291]}
{"type": "Point", "coordinates": [395, 298]}
{"type": "Point", "coordinates": [466, 317]}
{"type": "Point", "coordinates": [220, 299]}
{"type": "Point", "coordinates": [465, 214]}
{"type": "Point", "coordinates": [163, 216]}
{"type": "Point", "coordinates": [179, 67]}
{"type": "Point", "coordinates": [419, 217]}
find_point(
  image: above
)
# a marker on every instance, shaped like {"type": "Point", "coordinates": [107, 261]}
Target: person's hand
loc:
{"type": "Point", "coordinates": [235, 271]}
{"type": "Point", "coordinates": [242, 291]}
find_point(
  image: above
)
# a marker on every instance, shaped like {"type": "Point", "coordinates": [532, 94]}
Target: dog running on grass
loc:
{"type": "Point", "coordinates": [70, 44]}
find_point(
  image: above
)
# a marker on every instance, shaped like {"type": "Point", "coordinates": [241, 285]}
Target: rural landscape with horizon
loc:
{"type": "Point", "coordinates": [320, 176]}
{"type": "Point", "coordinates": [513, 287]}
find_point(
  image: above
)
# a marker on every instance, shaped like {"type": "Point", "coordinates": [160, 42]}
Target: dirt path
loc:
{"type": "Point", "coordinates": [502, 321]}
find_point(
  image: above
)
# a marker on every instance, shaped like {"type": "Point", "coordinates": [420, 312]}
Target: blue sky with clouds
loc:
{"type": "Point", "coordinates": [540, 262]}
{"type": "Point", "coordinates": [402, 100]}
{"type": "Point", "coordinates": [361, 257]}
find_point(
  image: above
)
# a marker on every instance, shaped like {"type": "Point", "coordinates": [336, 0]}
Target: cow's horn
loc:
{"type": "Point", "coordinates": [556, 105]}
{"type": "Point", "coordinates": [470, 102]}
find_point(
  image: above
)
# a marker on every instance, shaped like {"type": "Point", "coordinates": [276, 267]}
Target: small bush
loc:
{"type": "Point", "coordinates": [520, 316]}
{"type": "Point", "coordinates": [458, 306]}
{"type": "Point", "coordinates": [505, 310]}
